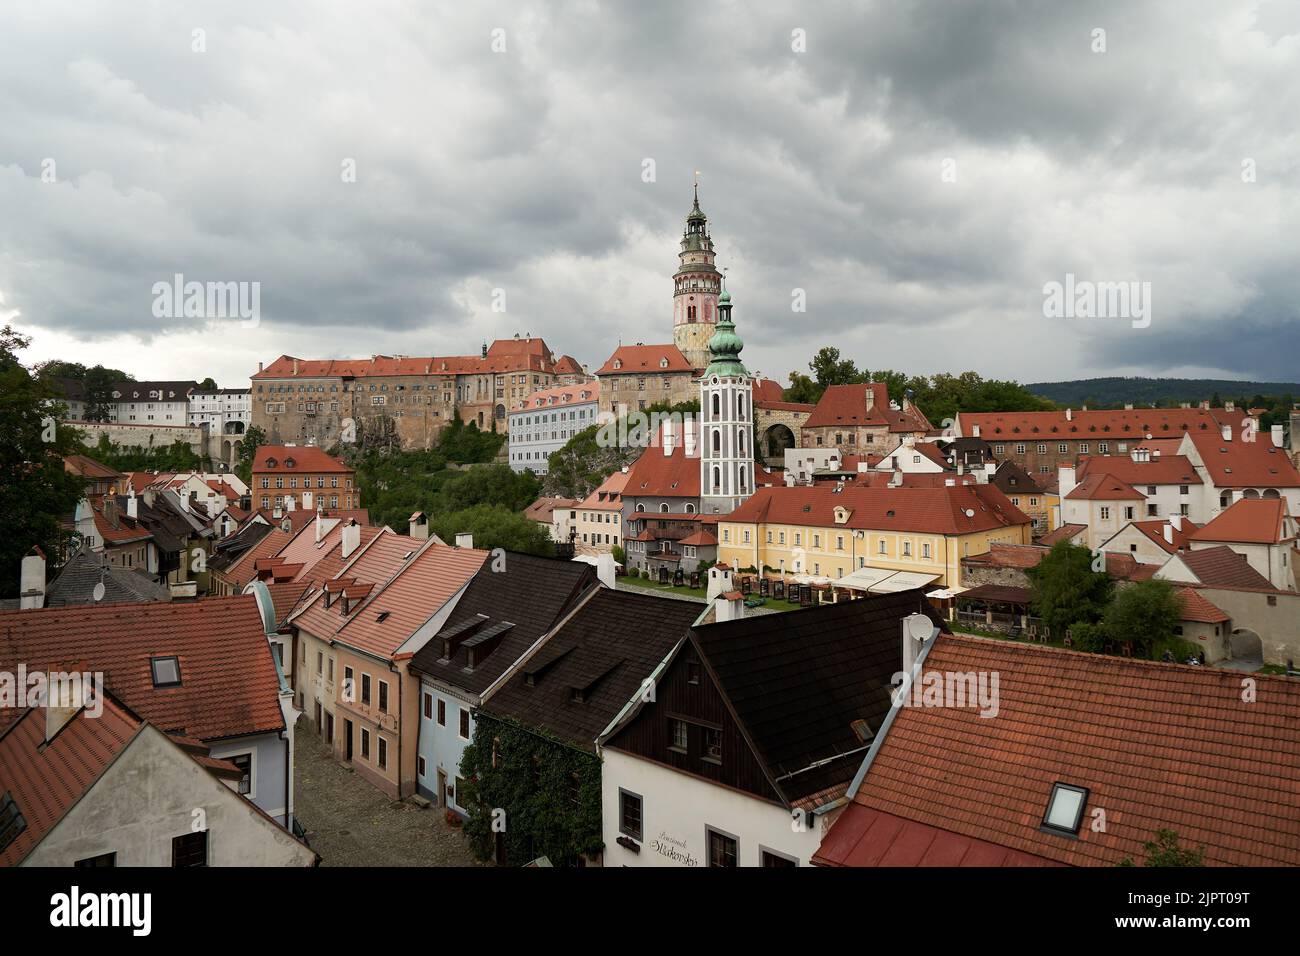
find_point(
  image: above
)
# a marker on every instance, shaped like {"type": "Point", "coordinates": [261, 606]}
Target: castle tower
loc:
{"type": "Point", "coordinates": [726, 420]}
{"type": "Point", "coordinates": [696, 285]}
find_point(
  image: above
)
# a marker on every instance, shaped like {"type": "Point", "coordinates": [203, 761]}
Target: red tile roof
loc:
{"type": "Point", "coordinates": [1244, 464]}
{"type": "Point", "coordinates": [418, 591]}
{"type": "Point", "coordinates": [504, 355]}
{"type": "Point", "coordinates": [645, 359]}
{"type": "Point", "coordinates": [121, 529]}
{"type": "Point", "coordinates": [1002, 555]}
{"type": "Point", "coordinates": [1097, 423]}
{"type": "Point", "coordinates": [1223, 567]}
{"type": "Point", "coordinates": [1200, 609]}
{"type": "Point", "coordinates": [1066, 532]}
{"type": "Point", "coordinates": [306, 459]}
{"type": "Point", "coordinates": [45, 781]}
{"type": "Point", "coordinates": [370, 565]}
{"type": "Point", "coordinates": [655, 474]}
{"type": "Point", "coordinates": [934, 510]}
{"type": "Point", "coordinates": [229, 686]}
{"type": "Point", "coordinates": [701, 538]}
{"type": "Point", "coordinates": [766, 390]}
{"type": "Point", "coordinates": [1165, 470]}
{"type": "Point", "coordinates": [245, 569]}
{"type": "Point", "coordinates": [1249, 521]}
{"type": "Point", "coordinates": [561, 396]}
{"type": "Point", "coordinates": [1104, 487]}
{"type": "Point", "coordinates": [1155, 530]}
{"type": "Point", "coordinates": [1158, 746]}
{"type": "Point", "coordinates": [844, 405]}
{"type": "Point", "coordinates": [866, 837]}
{"type": "Point", "coordinates": [89, 469]}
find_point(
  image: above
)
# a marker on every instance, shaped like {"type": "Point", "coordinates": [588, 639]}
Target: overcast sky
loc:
{"type": "Point", "coordinates": [827, 169]}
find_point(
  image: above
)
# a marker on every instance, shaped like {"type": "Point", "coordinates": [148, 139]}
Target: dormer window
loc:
{"type": "Point", "coordinates": [663, 363]}
{"type": "Point", "coordinates": [271, 463]}
{"type": "Point", "coordinates": [166, 671]}
{"type": "Point", "coordinates": [618, 363]}
{"type": "Point", "coordinates": [289, 463]}
{"type": "Point", "coordinates": [1065, 809]}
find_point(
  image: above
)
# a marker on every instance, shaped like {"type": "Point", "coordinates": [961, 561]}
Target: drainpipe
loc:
{"type": "Point", "coordinates": [401, 713]}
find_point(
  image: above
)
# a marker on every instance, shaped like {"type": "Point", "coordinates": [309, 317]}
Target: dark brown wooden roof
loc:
{"type": "Point", "coordinates": [604, 652]}
{"type": "Point", "coordinates": [530, 593]}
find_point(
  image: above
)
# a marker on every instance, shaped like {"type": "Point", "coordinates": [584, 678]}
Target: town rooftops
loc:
{"type": "Point", "coordinates": [1153, 746]}
{"type": "Point", "coordinates": [543, 508]}
{"type": "Point", "coordinates": [1155, 531]}
{"type": "Point", "coordinates": [645, 359]}
{"type": "Point", "coordinates": [1250, 521]}
{"type": "Point", "coordinates": [89, 469]}
{"type": "Point", "coordinates": [608, 495]}
{"type": "Point", "coordinates": [499, 617]}
{"type": "Point", "coordinates": [504, 355]}
{"type": "Point", "coordinates": [152, 391]}
{"type": "Point", "coordinates": [867, 405]}
{"type": "Point", "coordinates": [228, 682]}
{"type": "Point", "coordinates": [941, 509]}
{"type": "Point", "coordinates": [585, 673]}
{"type": "Point", "coordinates": [296, 459]}
{"type": "Point", "coordinates": [1066, 532]}
{"type": "Point", "coordinates": [1196, 607]}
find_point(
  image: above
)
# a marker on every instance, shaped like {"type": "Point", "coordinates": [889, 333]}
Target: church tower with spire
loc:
{"type": "Point", "coordinates": [696, 285]}
{"type": "Point", "coordinates": [726, 420]}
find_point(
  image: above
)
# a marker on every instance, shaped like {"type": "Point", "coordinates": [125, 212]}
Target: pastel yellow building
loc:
{"type": "Point", "coordinates": [829, 531]}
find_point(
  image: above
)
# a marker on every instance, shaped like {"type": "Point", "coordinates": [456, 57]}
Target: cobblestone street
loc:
{"type": "Point", "coordinates": [350, 823]}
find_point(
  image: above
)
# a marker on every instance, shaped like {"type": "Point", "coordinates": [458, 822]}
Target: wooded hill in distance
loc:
{"type": "Point", "coordinates": [1108, 392]}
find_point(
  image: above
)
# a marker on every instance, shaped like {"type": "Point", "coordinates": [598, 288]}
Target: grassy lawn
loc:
{"type": "Point", "coordinates": [699, 593]}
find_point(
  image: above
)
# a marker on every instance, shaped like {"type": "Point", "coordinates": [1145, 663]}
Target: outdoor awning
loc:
{"type": "Point", "coordinates": [884, 581]}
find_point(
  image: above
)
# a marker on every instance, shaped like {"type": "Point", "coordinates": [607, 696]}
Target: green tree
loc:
{"type": "Point", "coordinates": [1164, 850]}
{"type": "Point", "coordinates": [829, 368]}
{"type": "Point", "coordinates": [802, 389]}
{"type": "Point", "coordinates": [1065, 590]}
{"type": "Point", "coordinates": [99, 382]}
{"type": "Point", "coordinates": [494, 526]}
{"type": "Point", "coordinates": [254, 438]}
{"type": "Point", "coordinates": [36, 492]}
{"type": "Point", "coordinates": [1145, 615]}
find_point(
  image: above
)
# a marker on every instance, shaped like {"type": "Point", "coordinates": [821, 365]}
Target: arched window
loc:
{"type": "Point", "coordinates": [740, 406]}
{"type": "Point", "coordinates": [717, 441]}
{"type": "Point", "coordinates": [741, 489]}
{"type": "Point", "coordinates": [740, 442]}
{"type": "Point", "coordinates": [717, 405]}
{"type": "Point", "coordinates": [717, 479]}
{"type": "Point", "coordinates": [690, 508]}
{"type": "Point", "coordinates": [640, 507]}
{"type": "Point", "coordinates": [663, 508]}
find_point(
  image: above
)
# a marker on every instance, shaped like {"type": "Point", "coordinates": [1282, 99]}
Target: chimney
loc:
{"type": "Point", "coordinates": [150, 496]}
{"type": "Point", "coordinates": [730, 607]}
{"type": "Point", "coordinates": [1069, 414]}
{"type": "Point", "coordinates": [1169, 533]}
{"type": "Point", "coordinates": [669, 438]}
{"type": "Point", "coordinates": [605, 569]}
{"type": "Point", "coordinates": [1065, 479]}
{"type": "Point", "coordinates": [259, 367]}
{"type": "Point", "coordinates": [110, 510]}
{"type": "Point", "coordinates": [63, 698]}
{"type": "Point", "coordinates": [277, 512]}
{"type": "Point", "coordinates": [320, 527]}
{"type": "Point", "coordinates": [31, 581]}
{"type": "Point", "coordinates": [295, 366]}
{"type": "Point", "coordinates": [975, 431]}
{"type": "Point", "coordinates": [896, 480]}
{"type": "Point", "coordinates": [1205, 406]}
{"type": "Point", "coordinates": [1182, 405]}
{"type": "Point", "coordinates": [1176, 521]}
{"type": "Point", "coordinates": [351, 538]}
{"type": "Point", "coordinates": [1276, 432]}
{"type": "Point", "coordinates": [1229, 406]}
{"type": "Point", "coordinates": [308, 501]}
{"type": "Point", "coordinates": [1226, 432]}
{"type": "Point", "coordinates": [464, 540]}
{"type": "Point", "coordinates": [691, 437]}
{"type": "Point", "coordinates": [871, 398]}
{"type": "Point", "coordinates": [1128, 406]}
{"type": "Point", "coordinates": [917, 630]}
{"type": "Point", "coordinates": [419, 526]}
{"type": "Point", "coordinates": [132, 509]}
{"type": "Point", "coordinates": [290, 503]}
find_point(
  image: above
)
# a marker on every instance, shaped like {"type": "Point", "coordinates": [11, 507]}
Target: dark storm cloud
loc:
{"type": "Point", "coordinates": [521, 171]}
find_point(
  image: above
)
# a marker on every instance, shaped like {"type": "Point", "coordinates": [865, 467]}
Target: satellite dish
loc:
{"type": "Point", "coordinates": [98, 593]}
{"type": "Point", "coordinates": [919, 627]}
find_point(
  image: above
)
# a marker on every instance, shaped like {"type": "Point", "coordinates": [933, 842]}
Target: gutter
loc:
{"type": "Point", "coordinates": [889, 718]}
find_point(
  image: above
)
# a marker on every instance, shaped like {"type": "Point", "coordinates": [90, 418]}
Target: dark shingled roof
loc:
{"type": "Point", "coordinates": [797, 681]}
{"type": "Point", "coordinates": [607, 649]}
{"type": "Point", "coordinates": [76, 583]}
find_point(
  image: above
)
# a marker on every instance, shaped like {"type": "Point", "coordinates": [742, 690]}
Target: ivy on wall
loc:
{"type": "Point", "coordinates": [549, 790]}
